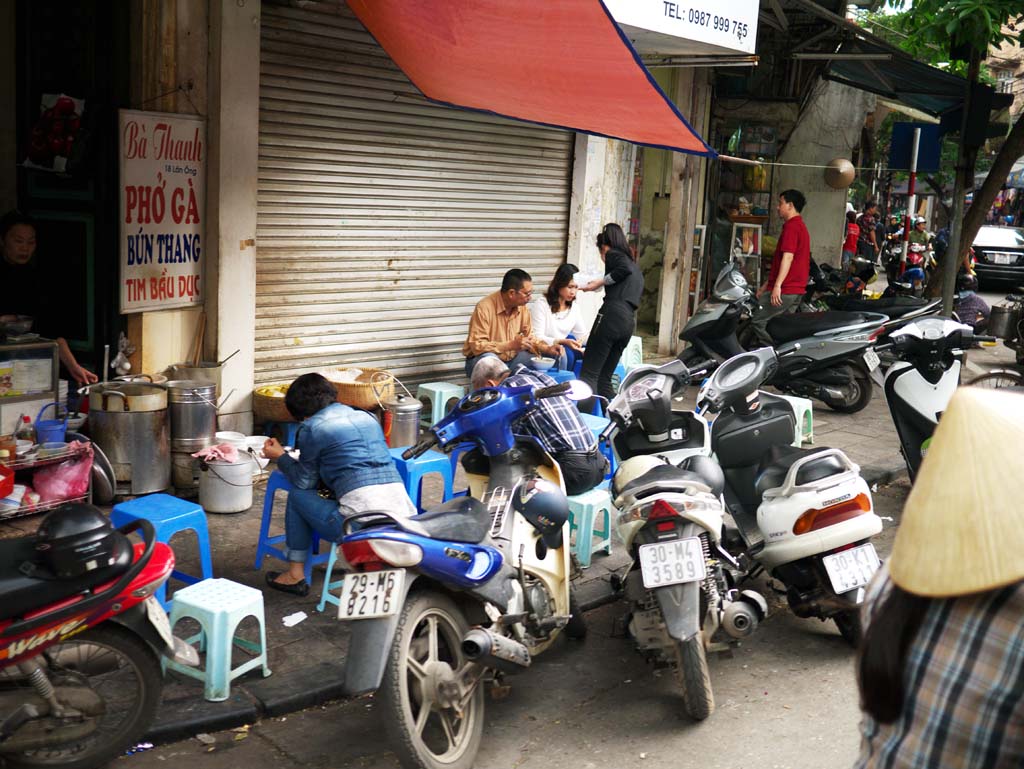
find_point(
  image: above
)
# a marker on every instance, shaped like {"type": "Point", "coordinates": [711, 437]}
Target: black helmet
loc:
{"type": "Point", "coordinates": [77, 538]}
{"type": "Point", "coordinates": [966, 282]}
{"type": "Point", "coordinates": [544, 505]}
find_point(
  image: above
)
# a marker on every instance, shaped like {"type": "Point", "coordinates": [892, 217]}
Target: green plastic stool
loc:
{"type": "Point", "coordinates": [326, 596]}
{"type": "Point", "coordinates": [633, 355]}
{"type": "Point", "coordinates": [219, 605]}
{"type": "Point", "coordinates": [803, 410]}
{"type": "Point", "coordinates": [584, 510]}
{"type": "Point", "coordinates": [438, 398]}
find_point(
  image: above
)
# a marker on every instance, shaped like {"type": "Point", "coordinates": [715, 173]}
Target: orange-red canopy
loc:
{"type": "Point", "coordinates": [562, 63]}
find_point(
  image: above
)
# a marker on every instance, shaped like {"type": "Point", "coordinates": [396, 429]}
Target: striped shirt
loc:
{"type": "Point", "coordinates": [964, 684]}
{"type": "Point", "coordinates": [556, 421]}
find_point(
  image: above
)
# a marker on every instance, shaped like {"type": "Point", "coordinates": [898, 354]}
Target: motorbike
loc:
{"type": "Point", "coordinates": [680, 585]}
{"type": "Point", "coordinates": [443, 603]}
{"type": "Point", "coordinates": [81, 636]}
{"type": "Point", "coordinates": [822, 355]}
{"type": "Point", "coordinates": [804, 516]}
{"type": "Point", "coordinates": [900, 310]}
{"type": "Point", "coordinates": [929, 356]}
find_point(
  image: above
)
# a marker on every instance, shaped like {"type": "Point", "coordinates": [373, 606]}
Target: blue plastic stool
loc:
{"type": "Point", "coordinates": [560, 375]}
{"type": "Point", "coordinates": [412, 472]}
{"type": "Point", "coordinates": [326, 596]}
{"type": "Point", "coordinates": [437, 399]}
{"type": "Point", "coordinates": [597, 425]}
{"type": "Point", "coordinates": [289, 431]}
{"type": "Point", "coordinates": [583, 512]}
{"type": "Point", "coordinates": [454, 456]}
{"type": "Point", "coordinates": [219, 605]}
{"type": "Point", "coordinates": [268, 545]}
{"type": "Point", "coordinates": [169, 515]}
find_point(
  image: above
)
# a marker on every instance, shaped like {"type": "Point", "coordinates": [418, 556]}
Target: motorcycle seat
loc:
{"type": "Point", "coordinates": [775, 466]}
{"type": "Point", "coordinates": [797, 325]}
{"type": "Point", "coordinates": [668, 478]}
{"type": "Point", "coordinates": [21, 593]}
{"type": "Point", "coordinates": [463, 519]}
{"type": "Point", "coordinates": [893, 306]}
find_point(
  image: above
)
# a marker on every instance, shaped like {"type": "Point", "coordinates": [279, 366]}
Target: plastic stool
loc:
{"type": "Point", "coordinates": [454, 456]}
{"type": "Point", "coordinates": [633, 355]}
{"type": "Point", "coordinates": [560, 375]}
{"type": "Point", "coordinates": [597, 425]}
{"type": "Point", "coordinates": [412, 472]}
{"type": "Point", "coordinates": [268, 545]}
{"type": "Point", "coordinates": [583, 511]}
{"type": "Point", "coordinates": [289, 431]}
{"type": "Point", "coordinates": [219, 605]}
{"type": "Point", "coordinates": [803, 410]}
{"type": "Point", "coordinates": [437, 399]}
{"type": "Point", "coordinates": [326, 596]}
{"type": "Point", "coordinates": [169, 515]}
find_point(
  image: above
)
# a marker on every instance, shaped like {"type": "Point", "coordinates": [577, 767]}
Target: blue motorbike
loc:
{"type": "Point", "coordinates": [444, 603]}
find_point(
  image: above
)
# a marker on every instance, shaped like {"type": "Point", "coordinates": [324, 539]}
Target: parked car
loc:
{"type": "Point", "coordinates": [999, 255]}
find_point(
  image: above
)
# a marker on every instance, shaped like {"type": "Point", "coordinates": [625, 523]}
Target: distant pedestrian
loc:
{"type": "Point", "coordinates": [852, 236]}
{"type": "Point", "coordinates": [941, 667]}
{"type": "Point", "coordinates": [791, 265]}
{"type": "Point", "coordinates": [868, 244]}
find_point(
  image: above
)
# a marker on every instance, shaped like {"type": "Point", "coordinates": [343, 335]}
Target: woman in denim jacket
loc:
{"type": "Point", "coordinates": [344, 448]}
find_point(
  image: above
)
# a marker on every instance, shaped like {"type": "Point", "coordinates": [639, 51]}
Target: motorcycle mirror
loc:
{"type": "Point", "coordinates": [578, 391]}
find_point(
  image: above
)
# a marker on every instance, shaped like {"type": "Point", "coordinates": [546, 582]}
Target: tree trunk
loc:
{"type": "Point", "coordinates": [1012, 149]}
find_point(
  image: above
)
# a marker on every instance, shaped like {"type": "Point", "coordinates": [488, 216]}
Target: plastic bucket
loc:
{"type": "Point", "coordinates": [50, 430]}
{"type": "Point", "coordinates": [226, 487]}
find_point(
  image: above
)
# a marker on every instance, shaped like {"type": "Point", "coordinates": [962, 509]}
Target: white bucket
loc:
{"type": "Point", "coordinates": [226, 487]}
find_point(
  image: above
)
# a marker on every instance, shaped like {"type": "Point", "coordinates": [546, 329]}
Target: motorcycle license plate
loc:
{"type": "Point", "coordinates": [851, 569]}
{"type": "Point", "coordinates": [670, 563]}
{"type": "Point", "coordinates": [158, 619]}
{"type": "Point", "coordinates": [871, 359]}
{"type": "Point", "coordinates": [371, 594]}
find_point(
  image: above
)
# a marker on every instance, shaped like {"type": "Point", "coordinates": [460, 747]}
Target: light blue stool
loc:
{"type": "Point", "coordinates": [326, 596]}
{"type": "Point", "coordinates": [584, 510]}
{"type": "Point", "coordinates": [219, 605]}
{"type": "Point", "coordinates": [169, 515]}
{"type": "Point", "coordinates": [413, 471]}
{"type": "Point", "coordinates": [633, 355]}
{"type": "Point", "coordinates": [597, 426]}
{"type": "Point", "coordinates": [803, 410]}
{"type": "Point", "coordinates": [438, 398]}
{"type": "Point", "coordinates": [272, 545]}
{"type": "Point", "coordinates": [289, 431]}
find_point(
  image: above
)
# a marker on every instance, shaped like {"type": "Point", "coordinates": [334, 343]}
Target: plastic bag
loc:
{"type": "Point", "coordinates": [65, 480]}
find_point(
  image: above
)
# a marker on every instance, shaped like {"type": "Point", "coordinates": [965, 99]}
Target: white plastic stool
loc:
{"type": "Point", "coordinates": [437, 399]}
{"type": "Point", "coordinates": [804, 412]}
{"type": "Point", "coordinates": [219, 605]}
{"type": "Point", "coordinates": [633, 355]}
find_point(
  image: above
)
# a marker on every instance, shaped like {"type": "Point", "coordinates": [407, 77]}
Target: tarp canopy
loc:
{"type": "Point", "coordinates": [564, 64]}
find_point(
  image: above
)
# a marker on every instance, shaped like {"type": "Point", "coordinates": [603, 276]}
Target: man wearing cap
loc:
{"type": "Point", "coordinates": [555, 423]}
{"type": "Point", "coordinates": [941, 668]}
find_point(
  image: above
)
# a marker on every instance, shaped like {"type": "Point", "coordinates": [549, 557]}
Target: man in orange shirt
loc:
{"type": "Point", "coordinates": [501, 325]}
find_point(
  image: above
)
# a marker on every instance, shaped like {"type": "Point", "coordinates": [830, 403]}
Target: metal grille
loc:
{"type": "Point", "coordinates": [382, 218]}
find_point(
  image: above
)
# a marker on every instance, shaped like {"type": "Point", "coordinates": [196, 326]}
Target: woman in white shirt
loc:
{"type": "Point", "coordinates": [555, 316]}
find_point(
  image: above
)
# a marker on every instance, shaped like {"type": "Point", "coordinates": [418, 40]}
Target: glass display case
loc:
{"type": "Point", "coordinates": [29, 374]}
{"type": "Point", "coordinates": [746, 251]}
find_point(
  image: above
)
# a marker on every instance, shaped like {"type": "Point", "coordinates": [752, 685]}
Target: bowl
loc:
{"type": "Point", "coordinates": [232, 438]}
{"type": "Point", "coordinates": [75, 421]}
{"type": "Point", "coordinates": [24, 447]}
{"type": "Point", "coordinates": [255, 442]}
{"type": "Point", "coordinates": [51, 447]}
{"type": "Point", "coordinates": [542, 364]}
{"type": "Point", "coordinates": [22, 325]}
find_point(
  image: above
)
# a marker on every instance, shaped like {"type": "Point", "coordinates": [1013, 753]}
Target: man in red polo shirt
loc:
{"type": "Point", "coordinates": [787, 279]}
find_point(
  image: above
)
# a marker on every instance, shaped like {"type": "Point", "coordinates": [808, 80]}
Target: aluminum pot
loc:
{"type": "Point", "coordinates": [127, 396]}
{"type": "Point", "coordinates": [1003, 321]}
{"type": "Point", "coordinates": [401, 421]}
{"type": "Point", "coordinates": [128, 421]}
{"type": "Point", "coordinates": [193, 408]}
{"type": "Point", "coordinates": [205, 371]}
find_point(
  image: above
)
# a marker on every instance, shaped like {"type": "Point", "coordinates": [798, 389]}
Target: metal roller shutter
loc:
{"type": "Point", "coordinates": [382, 218]}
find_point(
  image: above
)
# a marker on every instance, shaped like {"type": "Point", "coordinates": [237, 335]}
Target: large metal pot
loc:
{"type": "Point", "coordinates": [1003, 321]}
{"type": "Point", "coordinates": [128, 421]}
{"type": "Point", "coordinates": [193, 408]}
{"type": "Point", "coordinates": [205, 371]}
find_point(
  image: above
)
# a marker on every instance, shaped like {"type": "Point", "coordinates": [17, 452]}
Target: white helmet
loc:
{"type": "Point", "coordinates": [632, 469]}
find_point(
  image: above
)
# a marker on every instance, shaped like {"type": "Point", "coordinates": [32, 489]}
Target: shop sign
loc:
{"type": "Point", "coordinates": [731, 25]}
{"type": "Point", "coordinates": [163, 194]}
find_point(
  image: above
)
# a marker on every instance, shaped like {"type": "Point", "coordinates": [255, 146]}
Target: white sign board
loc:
{"type": "Point", "coordinates": [731, 25]}
{"type": "Point", "coordinates": [163, 213]}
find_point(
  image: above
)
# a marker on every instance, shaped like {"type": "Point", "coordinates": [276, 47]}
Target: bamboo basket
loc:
{"type": "Point", "coordinates": [270, 408]}
{"type": "Point", "coordinates": [368, 391]}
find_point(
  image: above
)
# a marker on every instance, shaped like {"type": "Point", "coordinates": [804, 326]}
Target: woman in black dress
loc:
{"type": "Point", "coordinates": [623, 285]}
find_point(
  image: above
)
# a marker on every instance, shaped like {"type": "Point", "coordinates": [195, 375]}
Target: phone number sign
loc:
{"type": "Point", "coordinates": [731, 25]}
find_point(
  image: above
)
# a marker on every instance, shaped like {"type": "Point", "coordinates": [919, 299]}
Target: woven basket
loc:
{"type": "Point", "coordinates": [269, 408]}
{"type": "Point", "coordinates": [370, 387]}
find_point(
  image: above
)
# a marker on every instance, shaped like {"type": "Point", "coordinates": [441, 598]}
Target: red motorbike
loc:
{"type": "Point", "coordinates": [80, 639]}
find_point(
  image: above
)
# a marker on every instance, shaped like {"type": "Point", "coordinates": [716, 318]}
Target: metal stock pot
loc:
{"type": "Point", "coordinates": [128, 420]}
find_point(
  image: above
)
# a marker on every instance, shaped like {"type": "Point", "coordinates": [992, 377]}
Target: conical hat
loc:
{"type": "Point", "coordinates": [963, 525]}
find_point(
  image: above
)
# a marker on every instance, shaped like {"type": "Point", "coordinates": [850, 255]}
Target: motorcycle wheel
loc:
{"type": "Point", "coordinates": [694, 675]}
{"type": "Point", "coordinates": [120, 667]}
{"type": "Point", "coordinates": [858, 393]}
{"type": "Point", "coordinates": [421, 719]}
{"type": "Point", "coordinates": [848, 624]}
{"type": "Point", "coordinates": [575, 628]}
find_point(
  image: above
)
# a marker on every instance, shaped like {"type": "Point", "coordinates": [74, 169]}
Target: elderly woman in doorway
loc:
{"type": "Point", "coordinates": [342, 449]}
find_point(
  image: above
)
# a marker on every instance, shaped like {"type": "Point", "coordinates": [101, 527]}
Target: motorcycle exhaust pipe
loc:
{"type": "Point", "coordinates": [495, 651]}
{"type": "Point", "coordinates": [741, 617]}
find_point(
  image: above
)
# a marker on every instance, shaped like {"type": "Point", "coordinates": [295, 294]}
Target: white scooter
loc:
{"type": "Point", "coordinates": [929, 357]}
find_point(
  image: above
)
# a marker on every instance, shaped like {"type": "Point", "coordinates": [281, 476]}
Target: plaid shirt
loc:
{"type": "Point", "coordinates": [964, 679]}
{"type": "Point", "coordinates": [556, 421]}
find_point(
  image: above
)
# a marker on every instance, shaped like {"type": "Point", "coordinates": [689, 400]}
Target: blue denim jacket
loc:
{"type": "Point", "coordinates": [343, 446]}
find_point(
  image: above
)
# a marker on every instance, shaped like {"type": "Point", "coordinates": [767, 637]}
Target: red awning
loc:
{"type": "Point", "coordinates": [563, 64]}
